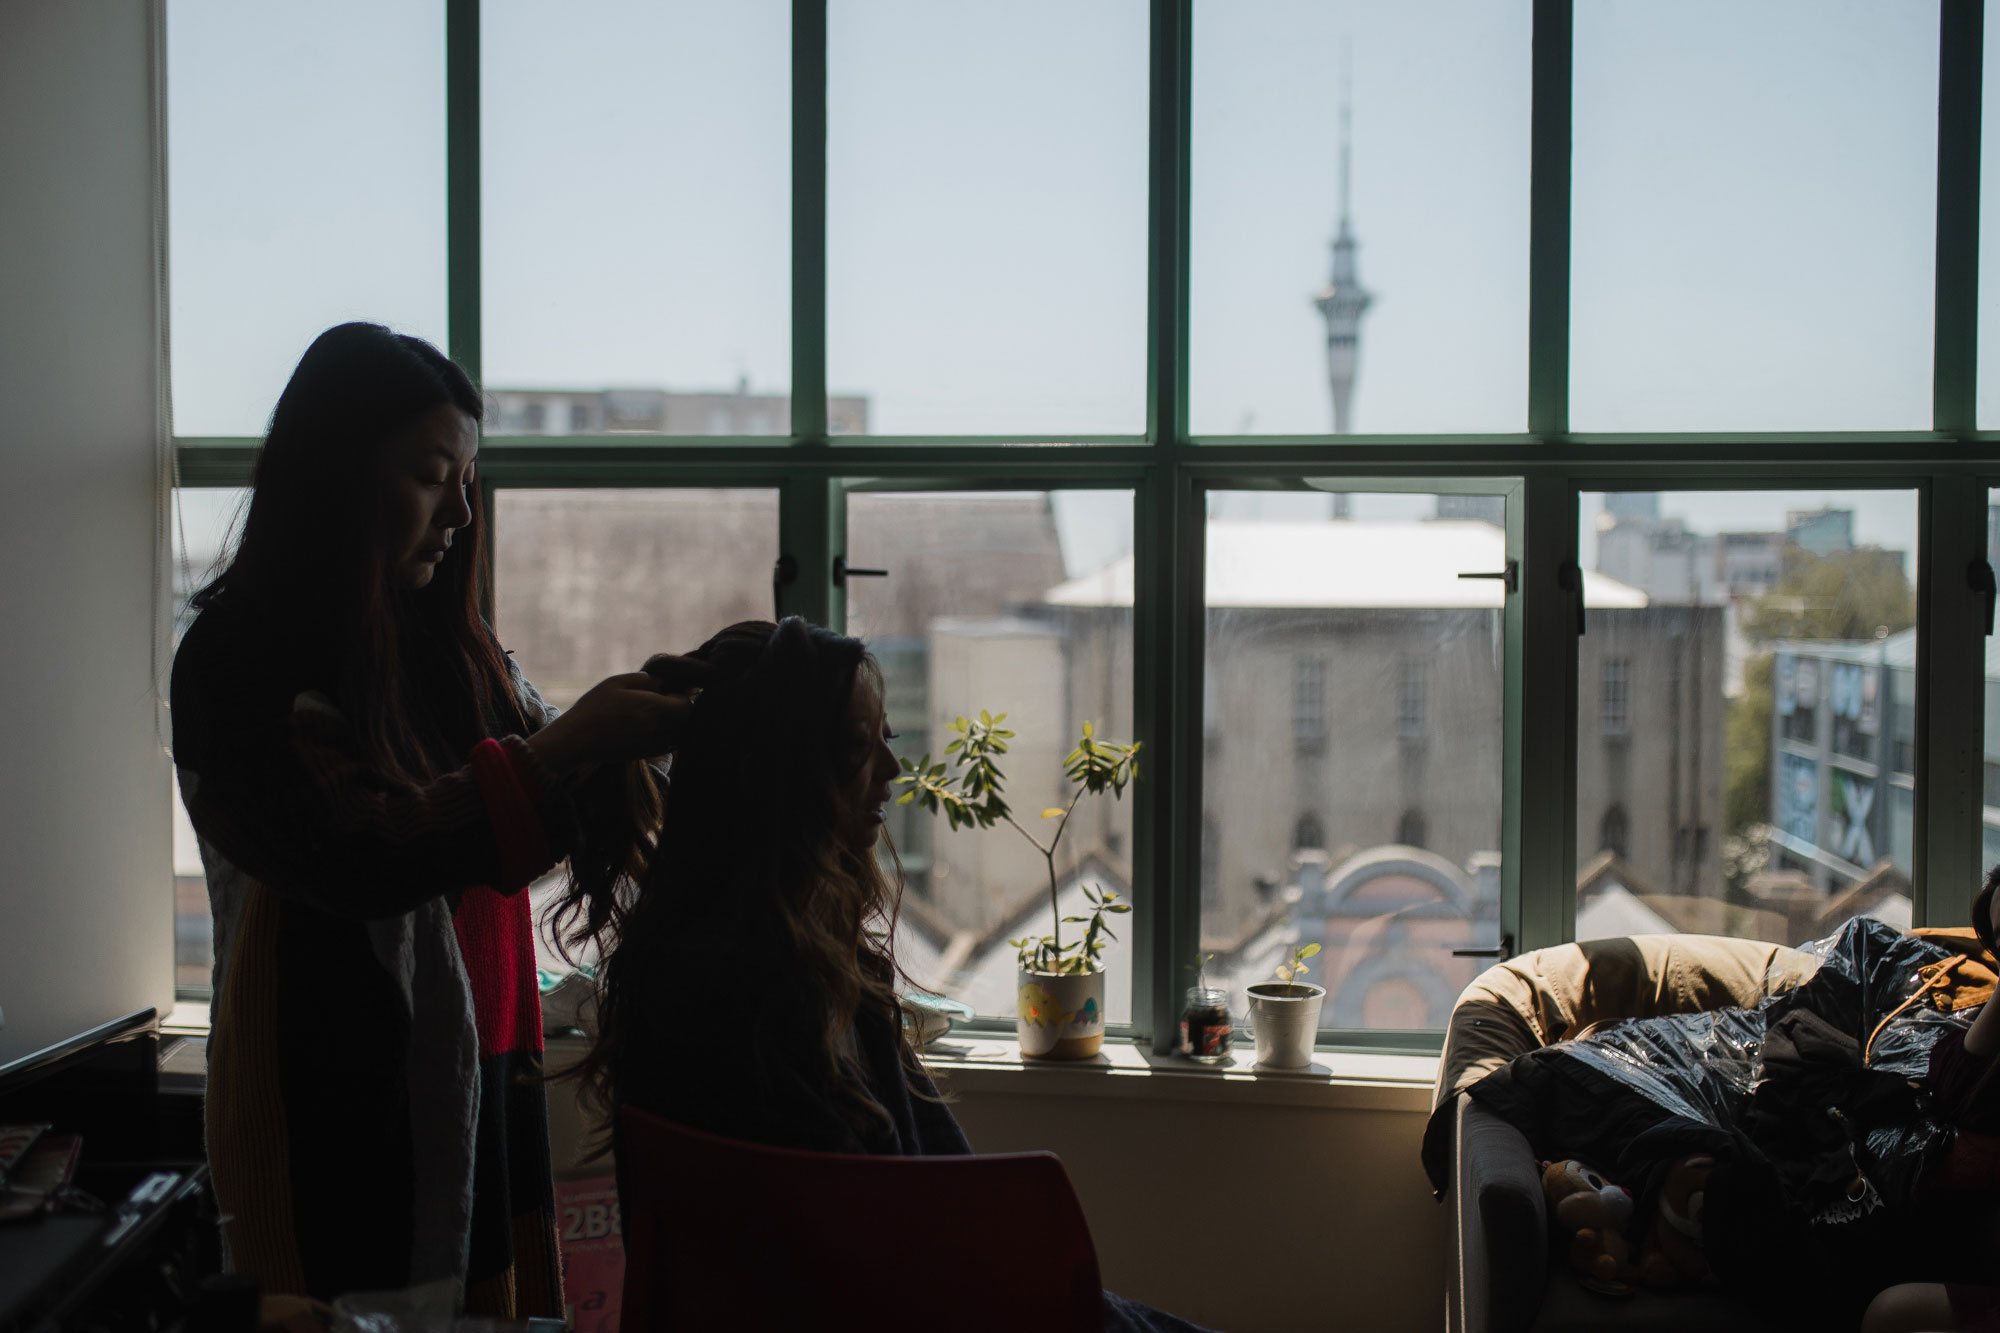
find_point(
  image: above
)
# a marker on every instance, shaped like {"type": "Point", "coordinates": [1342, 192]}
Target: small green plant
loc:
{"type": "Point", "coordinates": [1200, 970]}
{"type": "Point", "coordinates": [971, 795]}
{"type": "Point", "coordinates": [1293, 973]}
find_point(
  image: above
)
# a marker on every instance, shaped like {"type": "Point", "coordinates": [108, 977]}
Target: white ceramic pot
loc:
{"type": "Point", "coordinates": [1059, 1017]}
{"type": "Point", "coordinates": [1285, 1017]}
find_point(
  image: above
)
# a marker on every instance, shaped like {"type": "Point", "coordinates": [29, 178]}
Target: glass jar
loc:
{"type": "Point", "coordinates": [1205, 1029]}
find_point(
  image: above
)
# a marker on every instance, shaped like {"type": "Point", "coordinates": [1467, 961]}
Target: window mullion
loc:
{"type": "Point", "coordinates": [808, 222]}
{"type": "Point", "coordinates": [1549, 220]}
{"type": "Point", "coordinates": [1955, 351]}
{"type": "Point", "coordinates": [1167, 626]}
{"type": "Point", "coordinates": [1168, 635]}
{"type": "Point", "coordinates": [463, 329]}
{"type": "Point", "coordinates": [1538, 868]}
{"type": "Point", "coordinates": [812, 530]}
{"type": "Point", "coordinates": [1951, 661]}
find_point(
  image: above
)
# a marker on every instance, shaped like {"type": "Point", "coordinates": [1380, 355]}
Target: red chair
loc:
{"type": "Point", "coordinates": [727, 1235]}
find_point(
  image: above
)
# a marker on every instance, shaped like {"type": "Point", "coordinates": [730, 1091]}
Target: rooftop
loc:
{"type": "Point", "coordinates": [1361, 563]}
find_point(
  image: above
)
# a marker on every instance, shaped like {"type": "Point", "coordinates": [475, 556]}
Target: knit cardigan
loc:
{"type": "Point", "coordinates": [375, 1114]}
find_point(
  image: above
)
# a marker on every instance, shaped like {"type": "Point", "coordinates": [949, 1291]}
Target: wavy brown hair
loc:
{"type": "Point", "coordinates": [746, 887]}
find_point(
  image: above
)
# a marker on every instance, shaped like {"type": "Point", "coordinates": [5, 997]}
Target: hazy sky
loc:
{"type": "Point", "coordinates": [1753, 222]}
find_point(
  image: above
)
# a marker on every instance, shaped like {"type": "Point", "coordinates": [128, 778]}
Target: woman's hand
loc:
{"type": "Point", "coordinates": [633, 716]}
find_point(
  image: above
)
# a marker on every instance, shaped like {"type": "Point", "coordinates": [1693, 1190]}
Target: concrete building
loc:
{"type": "Point", "coordinates": [527, 411]}
{"type": "Point", "coordinates": [1352, 766]}
{"type": "Point", "coordinates": [1843, 759]}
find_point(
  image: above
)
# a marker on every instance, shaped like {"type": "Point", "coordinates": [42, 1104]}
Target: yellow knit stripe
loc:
{"type": "Point", "coordinates": [492, 1296]}
{"type": "Point", "coordinates": [248, 1140]}
{"type": "Point", "coordinates": [537, 1267]}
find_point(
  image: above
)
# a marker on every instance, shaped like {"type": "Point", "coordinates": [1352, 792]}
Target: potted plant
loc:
{"type": "Point", "coordinates": [1285, 1014]}
{"type": "Point", "coordinates": [1059, 1012]}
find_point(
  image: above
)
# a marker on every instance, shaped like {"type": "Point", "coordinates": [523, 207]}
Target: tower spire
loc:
{"type": "Point", "coordinates": [1343, 301]}
{"type": "Point", "coordinates": [1346, 148]}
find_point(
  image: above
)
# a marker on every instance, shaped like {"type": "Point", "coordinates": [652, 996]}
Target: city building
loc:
{"type": "Point", "coordinates": [1353, 748]}
{"type": "Point", "coordinates": [1843, 759]}
{"type": "Point", "coordinates": [527, 411]}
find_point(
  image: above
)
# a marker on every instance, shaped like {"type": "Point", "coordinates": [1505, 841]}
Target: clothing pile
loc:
{"type": "Point", "coordinates": [1814, 1105]}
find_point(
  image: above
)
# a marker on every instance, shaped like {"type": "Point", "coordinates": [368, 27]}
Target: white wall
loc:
{"type": "Point", "coordinates": [86, 927]}
{"type": "Point", "coordinates": [1242, 1208]}
{"type": "Point", "coordinates": [1244, 1218]}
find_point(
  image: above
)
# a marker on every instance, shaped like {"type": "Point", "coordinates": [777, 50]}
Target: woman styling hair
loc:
{"type": "Point", "coordinates": [765, 867]}
{"type": "Point", "coordinates": [373, 784]}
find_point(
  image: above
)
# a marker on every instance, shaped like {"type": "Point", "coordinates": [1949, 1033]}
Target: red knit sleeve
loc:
{"type": "Point", "coordinates": [508, 787]}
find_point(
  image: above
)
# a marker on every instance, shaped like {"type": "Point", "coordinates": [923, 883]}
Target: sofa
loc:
{"type": "Point", "coordinates": [1500, 1275]}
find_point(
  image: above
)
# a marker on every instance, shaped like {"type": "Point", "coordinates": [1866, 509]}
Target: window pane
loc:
{"type": "Point", "coordinates": [306, 186]}
{"type": "Point", "coordinates": [1746, 756]}
{"type": "Point", "coordinates": [636, 178]}
{"type": "Point", "coordinates": [986, 215]}
{"type": "Point", "coordinates": [205, 522]}
{"type": "Point", "coordinates": [1989, 824]}
{"type": "Point", "coordinates": [584, 587]}
{"type": "Point", "coordinates": [1754, 215]}
{"type": "Point", "coordinates": [1989, 238]}
{"type": "Point", "coordinates": [1017, 603]}
{"type": "Point", "coordinates": [584, 581]}
{"type": "Point", "coordinates": [1382, 287]}
{"type": "Point", "coordinates": [1367, 821]}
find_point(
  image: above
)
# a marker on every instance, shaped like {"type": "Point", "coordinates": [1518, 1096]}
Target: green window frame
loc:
{"type": "Point", "coordinates": [1542, 470]}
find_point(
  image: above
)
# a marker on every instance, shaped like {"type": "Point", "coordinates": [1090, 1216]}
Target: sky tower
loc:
{"type": "Point", "coordinates": [1343, 301]}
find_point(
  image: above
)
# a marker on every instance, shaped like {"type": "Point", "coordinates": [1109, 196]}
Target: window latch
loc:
{"type": "Point", "coordinates": [784, 574]}
{"type": "Point", "coordinates": [842, 572]}
{"type": "Point", "coordinates": [1502, 951]}
{"type": "Point", "coordinates": [1510, 576]}
{"type": "Point", "coordinates": [1570, 579]}
{"type": "Point", "coordinates": [1979, 577]}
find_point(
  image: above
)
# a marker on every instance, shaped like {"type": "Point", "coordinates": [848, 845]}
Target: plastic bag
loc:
{"type": "Point", "coordinates": [1700, 1082]}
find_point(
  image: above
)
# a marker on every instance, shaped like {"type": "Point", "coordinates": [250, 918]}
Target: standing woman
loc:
{"type": "Point", "coordinates": [374, 784]}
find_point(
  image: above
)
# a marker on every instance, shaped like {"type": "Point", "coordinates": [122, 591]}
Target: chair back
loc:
{"type": "Point", "coordinates": [721, 1234]}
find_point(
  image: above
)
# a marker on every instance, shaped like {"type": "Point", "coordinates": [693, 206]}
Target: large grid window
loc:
{"type": "Point", "coordinates": [1707, 276]}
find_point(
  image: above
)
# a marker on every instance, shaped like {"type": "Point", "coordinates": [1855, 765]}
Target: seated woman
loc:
{"type": "Point", "coordinates": [764, 867]}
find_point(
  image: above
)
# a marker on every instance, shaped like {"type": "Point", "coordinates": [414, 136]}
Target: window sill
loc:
{"type": "Point", "coordinates": [976, 1063]}
{"type": "Point", "coordinates": [1336, 1080]}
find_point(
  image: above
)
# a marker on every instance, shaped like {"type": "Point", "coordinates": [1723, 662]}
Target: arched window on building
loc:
{"type": "Point", "coordinates": [1411, 829]}
{"type": "Point", "coordinates": [1614, 833]}
{"type": "Point", "coordinates": [1307, 834]}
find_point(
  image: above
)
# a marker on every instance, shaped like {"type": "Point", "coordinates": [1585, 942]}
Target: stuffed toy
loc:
{"type": "Point", "coordinates": [1596, 1215]}
{"type": "Point", "coordinates": [1670, 1256]}
{"type": "Point", "coordinates": [1593, 1213]}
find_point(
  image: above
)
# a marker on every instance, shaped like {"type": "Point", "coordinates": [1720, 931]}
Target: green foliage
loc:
{"type": "Point", "coordinates": [1860, 594]}
{"type": "Point", "coordinates": [968, 786]}
{"type": "Point", "coordinates": [1294, 972]}
{"type": "Point", "coordinates": [1746, 751]}
{"type": "Point", "coordinates": [1048, 953]}
{"type": "Point", "coordinates": [977, 801]}
{"type": "Point", "coordinates": [1847, 595]}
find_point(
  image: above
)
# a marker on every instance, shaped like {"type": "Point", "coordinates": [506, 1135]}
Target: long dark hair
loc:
{"type": "Point", "coordinates": [747, 879]}
{"type": "Point", "coordinates": [1982, 912]}
{"type": "Point", "coordinates": [418, 672]}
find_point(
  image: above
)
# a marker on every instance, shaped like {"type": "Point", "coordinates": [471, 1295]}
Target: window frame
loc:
{"type": "Point", "coordinates": [1543, 469]}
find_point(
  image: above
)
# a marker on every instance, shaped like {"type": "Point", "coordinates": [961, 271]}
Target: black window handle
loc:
{"type": "Point", "coordinates": [1510, 576]}
{"type": "Point", "coordinates": [842, 572]}
{"type": "Point", "coordinates": [1979, 577]}
{"type": "Point", "coordinates": [1502, 951]}
{"type": "Point", "coordinates": [783, 574]}
{"type": "Point", "coordinates": [1570, 579]}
